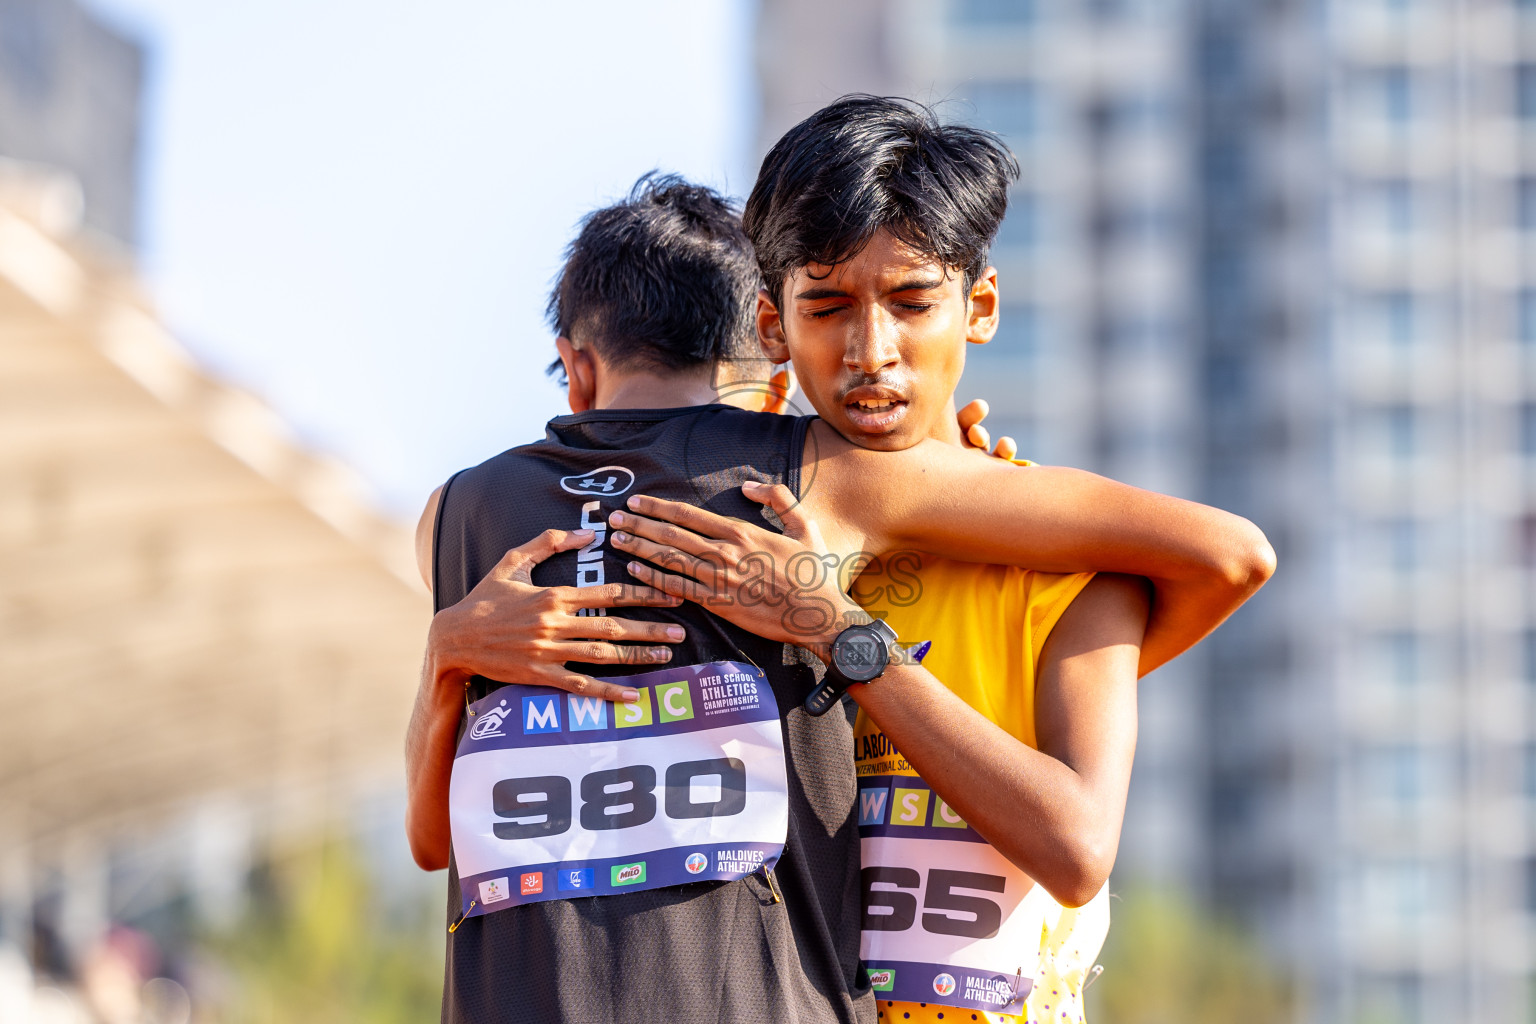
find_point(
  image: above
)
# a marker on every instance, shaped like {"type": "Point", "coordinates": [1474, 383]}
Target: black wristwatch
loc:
{"type": "Point", "coordinates": [860, 654]}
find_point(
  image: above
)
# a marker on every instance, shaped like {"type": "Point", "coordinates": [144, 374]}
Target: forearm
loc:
{"type": "Point", "coordinates": [1203, 562]}
{"type": "Point", "coordinates": [1032, 808]}
{"type": "Point", "coordinates": [429, 748]}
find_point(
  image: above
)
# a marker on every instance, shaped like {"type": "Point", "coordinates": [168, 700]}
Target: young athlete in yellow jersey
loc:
{"type": "Point", "coordinates": [992, 778]}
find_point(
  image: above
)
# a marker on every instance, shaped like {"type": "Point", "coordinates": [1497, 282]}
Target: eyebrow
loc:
{"type": "Point", "coordinates": [909, 285]}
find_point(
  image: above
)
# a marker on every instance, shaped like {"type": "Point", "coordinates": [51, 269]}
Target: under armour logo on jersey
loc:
{"type": "Point", "coordinates": [605, 481]}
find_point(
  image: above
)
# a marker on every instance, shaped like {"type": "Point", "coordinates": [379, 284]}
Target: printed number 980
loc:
{"type": "Point", "coordinates": [938, 895]}
{"type": "Point", "coordinates": [615, 798]}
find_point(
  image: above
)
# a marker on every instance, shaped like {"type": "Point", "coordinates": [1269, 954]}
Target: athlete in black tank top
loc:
{"type": "Point", "coordinates": [713, 951]}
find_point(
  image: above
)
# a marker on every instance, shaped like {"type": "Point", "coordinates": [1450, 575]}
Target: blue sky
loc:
{"type": "Point", "coordinates": [355, 209]}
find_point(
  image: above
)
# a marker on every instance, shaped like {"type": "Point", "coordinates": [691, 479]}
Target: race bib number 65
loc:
{"type": "Point", "coordinates": [557, 796]}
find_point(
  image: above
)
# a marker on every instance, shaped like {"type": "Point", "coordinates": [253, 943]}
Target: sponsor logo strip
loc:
{"type": "Point", "coordinates": [536, 883]}
{"type": "Point", "coordinates": [909, 982]}
{"type": "Point", "coordinates": [688, 699]}
{"type": "Point", "coordinates": [904, 806]}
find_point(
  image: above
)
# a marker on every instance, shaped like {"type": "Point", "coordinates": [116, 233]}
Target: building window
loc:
{"type": "Point", "coordinates": [1390, 205]}
{"type": "Point", "coordinates": [1528, 656]}
{"type": "Point", "coordinates": [1525, 316]}
{"type": "Point", "coordinates": [1398, 314]}
{"type": "Point", "coordinates": [1139, 332]}
{"type": "Point", "coordinates": [1401, 430]}
{"type": "Point", "coordinates": [1525, 538]}
{"type": "Point", "coordinates": [1009, 108]}
{"type": "Point", "coordinates": [1400, 541]}
{"type": "Point", "coordinates": [1525, 204]}
{"type": "Point", "coordinates": [1528, 776]}
{"type": "Point", "coordinates": [1391, 316]}
{"type": "Point", "coordinates": [1525, 91]}
{"type": "Point", "coordinates": [1400, 657]}
{"type": "Point", "coordinates": [1393, 775]}
{"type": "Point", "coordinates": [994, 12]}
{"type": "Point", "coordinates": [1221, 58]}
{"type": "Point", "coordinates": [1393, 95]}
{"type": "Point", "coordinates": [30, 36]}
{"type": "Point", "coordinates": [1405, 893]}
{"type": "Point", "coordinates": [1528, 428]}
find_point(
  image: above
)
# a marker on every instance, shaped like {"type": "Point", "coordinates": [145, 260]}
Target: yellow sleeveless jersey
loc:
{"type": "Point", "coordinates": [988, 624]}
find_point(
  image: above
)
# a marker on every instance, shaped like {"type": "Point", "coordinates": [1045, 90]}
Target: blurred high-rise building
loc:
{"type": "Point", "coordinates": [1273, 256]}
{"type": "Point", "coordinates": [70, 88]}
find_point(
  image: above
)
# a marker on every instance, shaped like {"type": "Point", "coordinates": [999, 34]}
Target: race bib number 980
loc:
{"type": "Point", "coordinates": [557, 796]}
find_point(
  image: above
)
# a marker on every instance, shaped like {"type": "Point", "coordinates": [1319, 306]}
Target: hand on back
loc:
{"type": "Point", "coordinates": [512, 631]}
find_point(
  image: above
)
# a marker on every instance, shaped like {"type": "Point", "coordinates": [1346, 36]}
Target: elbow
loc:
{"type": "Point", "coordinates": [428, 860]}
{"type": "Point", "coordinates": [429, 853]}
{"type": "Point", "coordinates": [1249, 560]}
{"type": "Point", "coordinates": [1081, 875]}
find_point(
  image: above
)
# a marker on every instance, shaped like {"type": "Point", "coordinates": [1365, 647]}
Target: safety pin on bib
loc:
{"type": "Point", "coordinates": [455, 926]}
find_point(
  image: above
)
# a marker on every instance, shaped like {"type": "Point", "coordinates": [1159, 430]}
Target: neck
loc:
{"type": "Point", "coordinates": [651, 391]}
{"type": "Point", "coordinates": [946, 427]}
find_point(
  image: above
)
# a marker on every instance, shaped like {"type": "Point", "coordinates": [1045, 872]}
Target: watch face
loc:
{"type": "Point", "coordinates": [860, 654]}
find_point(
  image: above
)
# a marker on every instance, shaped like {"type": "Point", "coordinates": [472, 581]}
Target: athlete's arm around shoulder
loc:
{"type": "Point", "coordinates": [1203, 563]}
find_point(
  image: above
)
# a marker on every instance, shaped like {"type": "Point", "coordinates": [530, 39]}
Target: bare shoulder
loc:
{"type": "Point", "coordinates": [424, 530]}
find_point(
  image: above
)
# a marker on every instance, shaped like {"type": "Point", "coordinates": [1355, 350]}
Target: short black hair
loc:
{"type": "Point", "coordinates": [663, 280]}
{"type": "Point", "coordinates": [864, 163]}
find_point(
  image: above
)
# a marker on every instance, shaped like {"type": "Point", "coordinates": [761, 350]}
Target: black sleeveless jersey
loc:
{"type": "Point", "coordinates": [726, 952]}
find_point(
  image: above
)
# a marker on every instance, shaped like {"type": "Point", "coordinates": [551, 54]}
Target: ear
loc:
{"type": "Point", "coordinates": [982, 322]}
{"type": "Point", "coordinates": [780, 387]}
{"type": "Point", "coordinates": [580, 374]}
{"type": "Point", "coordinates": [770, 328]}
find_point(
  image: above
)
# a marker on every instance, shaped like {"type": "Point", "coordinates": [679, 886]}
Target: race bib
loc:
{"type": "Point", "coordinates": [947, 919]}
{"type": "Point", "coordinates": [557, 796]}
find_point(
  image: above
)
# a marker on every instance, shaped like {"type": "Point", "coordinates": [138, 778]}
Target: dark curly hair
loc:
{"type": "Point", "coordinates": [663, 280]}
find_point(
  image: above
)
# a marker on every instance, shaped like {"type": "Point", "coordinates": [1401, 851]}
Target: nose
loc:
{"type": "Point", "coordinates": [872, 342]}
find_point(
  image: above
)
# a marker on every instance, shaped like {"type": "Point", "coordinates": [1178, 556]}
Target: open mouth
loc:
{"type": "Point", "coordinates": [876, 415]}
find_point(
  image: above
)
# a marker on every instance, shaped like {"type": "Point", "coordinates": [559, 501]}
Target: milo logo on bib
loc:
{"type": "Point", "coordinates": [687, 784]}
{"type": "Point", "coordinates": [629, 874]}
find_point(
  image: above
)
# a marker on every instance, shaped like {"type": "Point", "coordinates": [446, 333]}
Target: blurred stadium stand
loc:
{"type": "Point", "coordinates": [207, 636]}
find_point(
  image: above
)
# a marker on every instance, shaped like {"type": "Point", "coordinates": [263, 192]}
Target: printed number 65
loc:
{"type": "Point", "coordinates": [939, 895]}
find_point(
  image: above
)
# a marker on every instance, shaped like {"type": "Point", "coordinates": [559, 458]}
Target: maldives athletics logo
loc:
{"type": "Point", "coordinates": [696, 863]}
{"type": "Point", "coordinates": [944, 984]}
